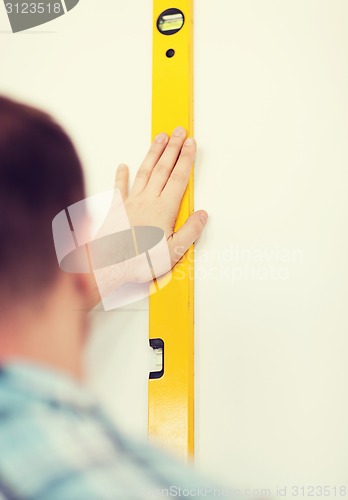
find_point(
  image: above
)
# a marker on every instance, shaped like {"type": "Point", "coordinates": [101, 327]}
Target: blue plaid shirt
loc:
{"type": "Point", "coordinates": [56, 444]}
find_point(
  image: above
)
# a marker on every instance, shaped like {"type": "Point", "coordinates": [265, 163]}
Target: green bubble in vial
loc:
{"type": "Point", "coordinates": [171, 22]}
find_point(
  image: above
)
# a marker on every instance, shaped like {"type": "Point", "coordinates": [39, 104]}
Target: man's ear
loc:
{"type": "Point", "coordinates": [87, 289]}
{"type": "Point", "coordinates": [83, 284]}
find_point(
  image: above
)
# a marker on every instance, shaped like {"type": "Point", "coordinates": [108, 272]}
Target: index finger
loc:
{"type": "Point", "coordinates": [144, 173]}
{"type": "Point", "coordinates": [179, 177]}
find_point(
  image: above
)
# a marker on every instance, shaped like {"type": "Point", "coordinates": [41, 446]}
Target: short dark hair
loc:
{"type": "Point", "coordinates": [40, 175]}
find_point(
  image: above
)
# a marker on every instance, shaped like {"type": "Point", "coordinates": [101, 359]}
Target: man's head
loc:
{"type": "Point", "coordinates": [42, 309]}
{"type": "Point", "coordinates": [40, 175]}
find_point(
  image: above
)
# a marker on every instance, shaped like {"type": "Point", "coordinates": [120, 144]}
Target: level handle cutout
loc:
{"type": "Point", "coordinates": [157, 363]}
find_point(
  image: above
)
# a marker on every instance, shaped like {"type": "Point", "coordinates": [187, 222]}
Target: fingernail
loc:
{"type": "Point", "coordinates": [122, 166]}
{"type": "Point", "coordinates": [179, 132]}
{"type": "Point", "coordinates": [204, 217]}
{"type": "Point", "coordinates": [161, 138]}
{"type": "Point", "coordinates": [189, 142]}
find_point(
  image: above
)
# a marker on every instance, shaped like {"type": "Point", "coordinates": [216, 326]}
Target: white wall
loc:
{"type": "Point", "coordinates": [271, 354]}
{"type": "Point", "coordinates": [271, 118]}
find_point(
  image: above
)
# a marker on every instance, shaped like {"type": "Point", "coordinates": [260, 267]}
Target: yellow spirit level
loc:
{"type": "Point", "coordinates": [171, 390]}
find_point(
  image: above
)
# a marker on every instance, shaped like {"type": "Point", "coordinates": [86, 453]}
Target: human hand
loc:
{"type": "Point", "coordinates": [159, 186]}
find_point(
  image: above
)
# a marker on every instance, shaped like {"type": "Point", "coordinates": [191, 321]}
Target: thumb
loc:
{"type": "Point", "coordinates": [122, 179]}
{"type": "Point", "coordinates": [187, 234]}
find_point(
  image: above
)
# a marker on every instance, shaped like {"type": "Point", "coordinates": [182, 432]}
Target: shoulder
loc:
{"type": "Point", "coordinates": [46, 447]}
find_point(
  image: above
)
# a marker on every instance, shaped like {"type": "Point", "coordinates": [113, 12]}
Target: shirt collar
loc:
{"type": "Point", "coordinates": [40, 382]}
